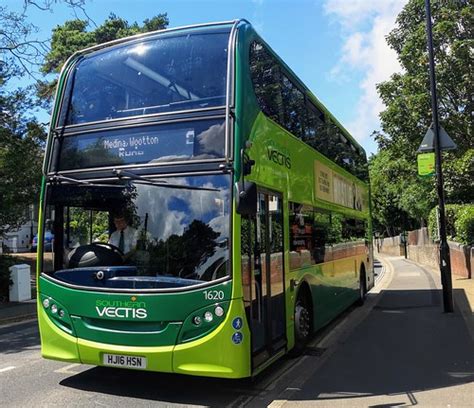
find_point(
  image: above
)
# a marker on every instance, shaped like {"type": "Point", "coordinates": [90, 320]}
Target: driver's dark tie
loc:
{"type": "Point", "coordinates": [121, 242]}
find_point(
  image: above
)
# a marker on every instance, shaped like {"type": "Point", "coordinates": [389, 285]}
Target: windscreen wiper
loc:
{"type": "Point", "coordinates": [57, 178]}
{"type": "Point", "coordinates": [128, 175]}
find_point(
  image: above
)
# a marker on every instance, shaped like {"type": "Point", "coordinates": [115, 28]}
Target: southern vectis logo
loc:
{"type": "Point", "coordinates": [121, 309]}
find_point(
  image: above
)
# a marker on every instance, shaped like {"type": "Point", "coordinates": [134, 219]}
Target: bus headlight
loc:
{"type": "Point", "coordinates": [203, 321]}
{"type": "Point", "coordinates": [218, 311]}
{"type": "Point", "coordinates": [57, 313]}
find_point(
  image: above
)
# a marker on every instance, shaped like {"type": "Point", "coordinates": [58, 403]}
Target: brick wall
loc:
{"type": "Point", "coordinates": [461, 259]}
{"type": "Point", "coordinates": [390, 246]}
{"type": "Point", "coordinates": [421, 249]}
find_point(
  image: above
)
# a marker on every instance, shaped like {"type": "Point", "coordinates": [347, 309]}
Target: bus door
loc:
{"type": "Point", "coordinates": [263, 277]}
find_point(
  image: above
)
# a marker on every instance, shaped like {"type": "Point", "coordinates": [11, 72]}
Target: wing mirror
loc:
{"type": "Point", "coordinates": [246, 197]}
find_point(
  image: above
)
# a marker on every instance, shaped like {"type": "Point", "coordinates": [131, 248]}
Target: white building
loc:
{"type": "Point", "coordinates": [21, 239]}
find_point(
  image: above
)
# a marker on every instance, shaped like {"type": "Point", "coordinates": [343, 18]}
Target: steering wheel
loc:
{"type": "Point", "coordinates": [95, 254]}
{"type": "Point", "coordinates": [110, 246]}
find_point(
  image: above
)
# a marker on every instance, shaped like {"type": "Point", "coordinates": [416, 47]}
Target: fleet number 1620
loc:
{"type": "Point", "coordinates": [214, 294]}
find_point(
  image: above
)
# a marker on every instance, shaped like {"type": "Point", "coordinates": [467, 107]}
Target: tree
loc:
{"type": "Point", "coordinates": [21, 154]}
{"type": "Point", "coordinates": [22, 138]}
{"type": "Point", "coordinates": [20, 54]}
{"type": "Point", "coordinates": [73, 36]}
{"type": "Point", "coordinates": [398, 204]}
{"type": "Point", "coordinates": [395, 184]}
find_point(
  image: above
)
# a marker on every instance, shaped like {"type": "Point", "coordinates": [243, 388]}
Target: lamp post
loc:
{"type": "Point", "coordinates": [444, 258]}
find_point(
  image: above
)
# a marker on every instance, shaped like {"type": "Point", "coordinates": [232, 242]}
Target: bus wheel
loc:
{"type": "Point", "coordinates": [303, 324]}
{"type": "Point", "coordinates": [362, 287]}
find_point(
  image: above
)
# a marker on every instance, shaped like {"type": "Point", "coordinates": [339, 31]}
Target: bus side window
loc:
{"type": "Point", "coordinates": [353, 230]}
{"type": "Point", "coordinates": [301, 236]}
{"type": "Point", "coordinates": [312, 126]}
{"type": "Point", "coordinates": [294, 107]}
{"type": "Point", "coordinates": [265, 73]}
{"type": "Point", "coordinates": [322, 246]}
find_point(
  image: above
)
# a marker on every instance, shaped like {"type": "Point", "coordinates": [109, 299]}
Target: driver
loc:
{"type": "Point", "coordinates": [125, 236]}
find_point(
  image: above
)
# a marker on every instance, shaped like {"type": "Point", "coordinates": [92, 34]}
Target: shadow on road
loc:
{"type": "Point", "coordinates": [167, 388]}
{"type": "Point", "coordinates": [24, 336]}
{"type": "Point", "coordinates": [406, 345]}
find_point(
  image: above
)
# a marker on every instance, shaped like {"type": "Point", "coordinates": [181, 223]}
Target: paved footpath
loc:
{"type": "Point", "coordinates": [406, 352]}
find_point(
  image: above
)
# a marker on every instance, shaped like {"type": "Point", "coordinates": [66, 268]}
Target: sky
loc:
{"type": "Point", "coordinates": [336, 47]}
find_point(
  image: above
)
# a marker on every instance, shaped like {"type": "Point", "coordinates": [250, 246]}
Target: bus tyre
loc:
{"type": "Point", "coordinates": [362, 287]}
{"type": "Point", "coordinates": [303, 324]}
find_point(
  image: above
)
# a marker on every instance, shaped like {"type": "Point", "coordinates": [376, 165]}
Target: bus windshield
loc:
{"type": "Point", "coordinates": [141, 233]}
{"type": "Point", "coordinates": [165, 73]}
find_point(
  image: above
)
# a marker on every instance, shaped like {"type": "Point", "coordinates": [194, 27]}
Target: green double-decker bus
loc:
{"type": "Point", "coordinates": [208, 212]}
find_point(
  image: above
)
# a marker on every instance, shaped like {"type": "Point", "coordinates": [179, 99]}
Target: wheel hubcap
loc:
{"type": "Point", "coordinates": [302, 321]}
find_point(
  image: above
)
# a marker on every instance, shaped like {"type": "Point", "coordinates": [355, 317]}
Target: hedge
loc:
{"type": "Point", "coordinates": [5, 263]}
{"type": "Point", "coordinates": [459, 223]}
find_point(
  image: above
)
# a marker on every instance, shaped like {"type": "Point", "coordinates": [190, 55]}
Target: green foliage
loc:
{"type": "Point", "coordinates": [21, 143]}
{"type": "Point", "coordinates": [335, 229]}
{"type": "Point", "coordinates": [399, 197]}
{"type": "Point", "coordinates": [433, 224]}
{"type": "Point", "coordinates": [464, 225]}
{"type": "Point", "coordinates": [396, 188]}
{"type": "Point", "coordinates": [73, 36]}
{"type": "Point", "coordinates": [5, 281]}
{"type": "Point", "coordinates": [459, 223]}
{"type": "Point", "coordinates": [80, 225]}
{"type": "Point", "coordinates": [22, 138]}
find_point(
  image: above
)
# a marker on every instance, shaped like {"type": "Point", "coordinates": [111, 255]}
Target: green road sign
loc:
{"type": "Point", "coordinates": [426, 164]}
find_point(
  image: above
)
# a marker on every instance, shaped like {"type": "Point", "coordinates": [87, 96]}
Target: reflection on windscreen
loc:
{"type": "Point", "coordinates": [166, 73]}
{"type": "Point", "coordinates": [142, 235]}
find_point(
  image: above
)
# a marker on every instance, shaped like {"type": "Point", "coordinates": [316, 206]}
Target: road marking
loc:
{"type": "Point", "coordinates": [8, 325]}
{"type": "Point", "coordinates": [67, 369]}
{"type": "Point", "coordinates": [2, 370]}
{"type": "Point", "coordinates": [277, 403]}
{"type": "Point", "coordinates": [379, 276]}
{"type": "Point", "coordinates": [461, 374]}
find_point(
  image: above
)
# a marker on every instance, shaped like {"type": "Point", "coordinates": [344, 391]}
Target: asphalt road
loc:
{"type": "Point", "coordinates": [396, 350]}
{"type": "Point", "coordinates": [27, 380]}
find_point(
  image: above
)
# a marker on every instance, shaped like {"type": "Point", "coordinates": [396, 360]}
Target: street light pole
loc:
{"type": "Point", "coordinates": [444, 258]}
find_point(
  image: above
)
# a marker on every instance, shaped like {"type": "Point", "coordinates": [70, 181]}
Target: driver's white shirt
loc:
{"type": "Point", "coordinates": [129, 239]}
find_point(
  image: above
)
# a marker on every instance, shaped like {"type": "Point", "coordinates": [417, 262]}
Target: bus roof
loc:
{"type": "Point", "coordinates": [230, 23]}
{"type": "Point", "coordinates": [152, 34]}
{"type": "Point", "coordinates": [308, 92]}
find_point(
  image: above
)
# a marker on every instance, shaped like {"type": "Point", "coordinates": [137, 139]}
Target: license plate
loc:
{"type": "Point", "coordinates": [117, 360]}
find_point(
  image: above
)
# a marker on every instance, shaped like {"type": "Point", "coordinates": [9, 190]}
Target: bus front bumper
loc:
{"type": "Point", "coordinates": [215, 355]}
